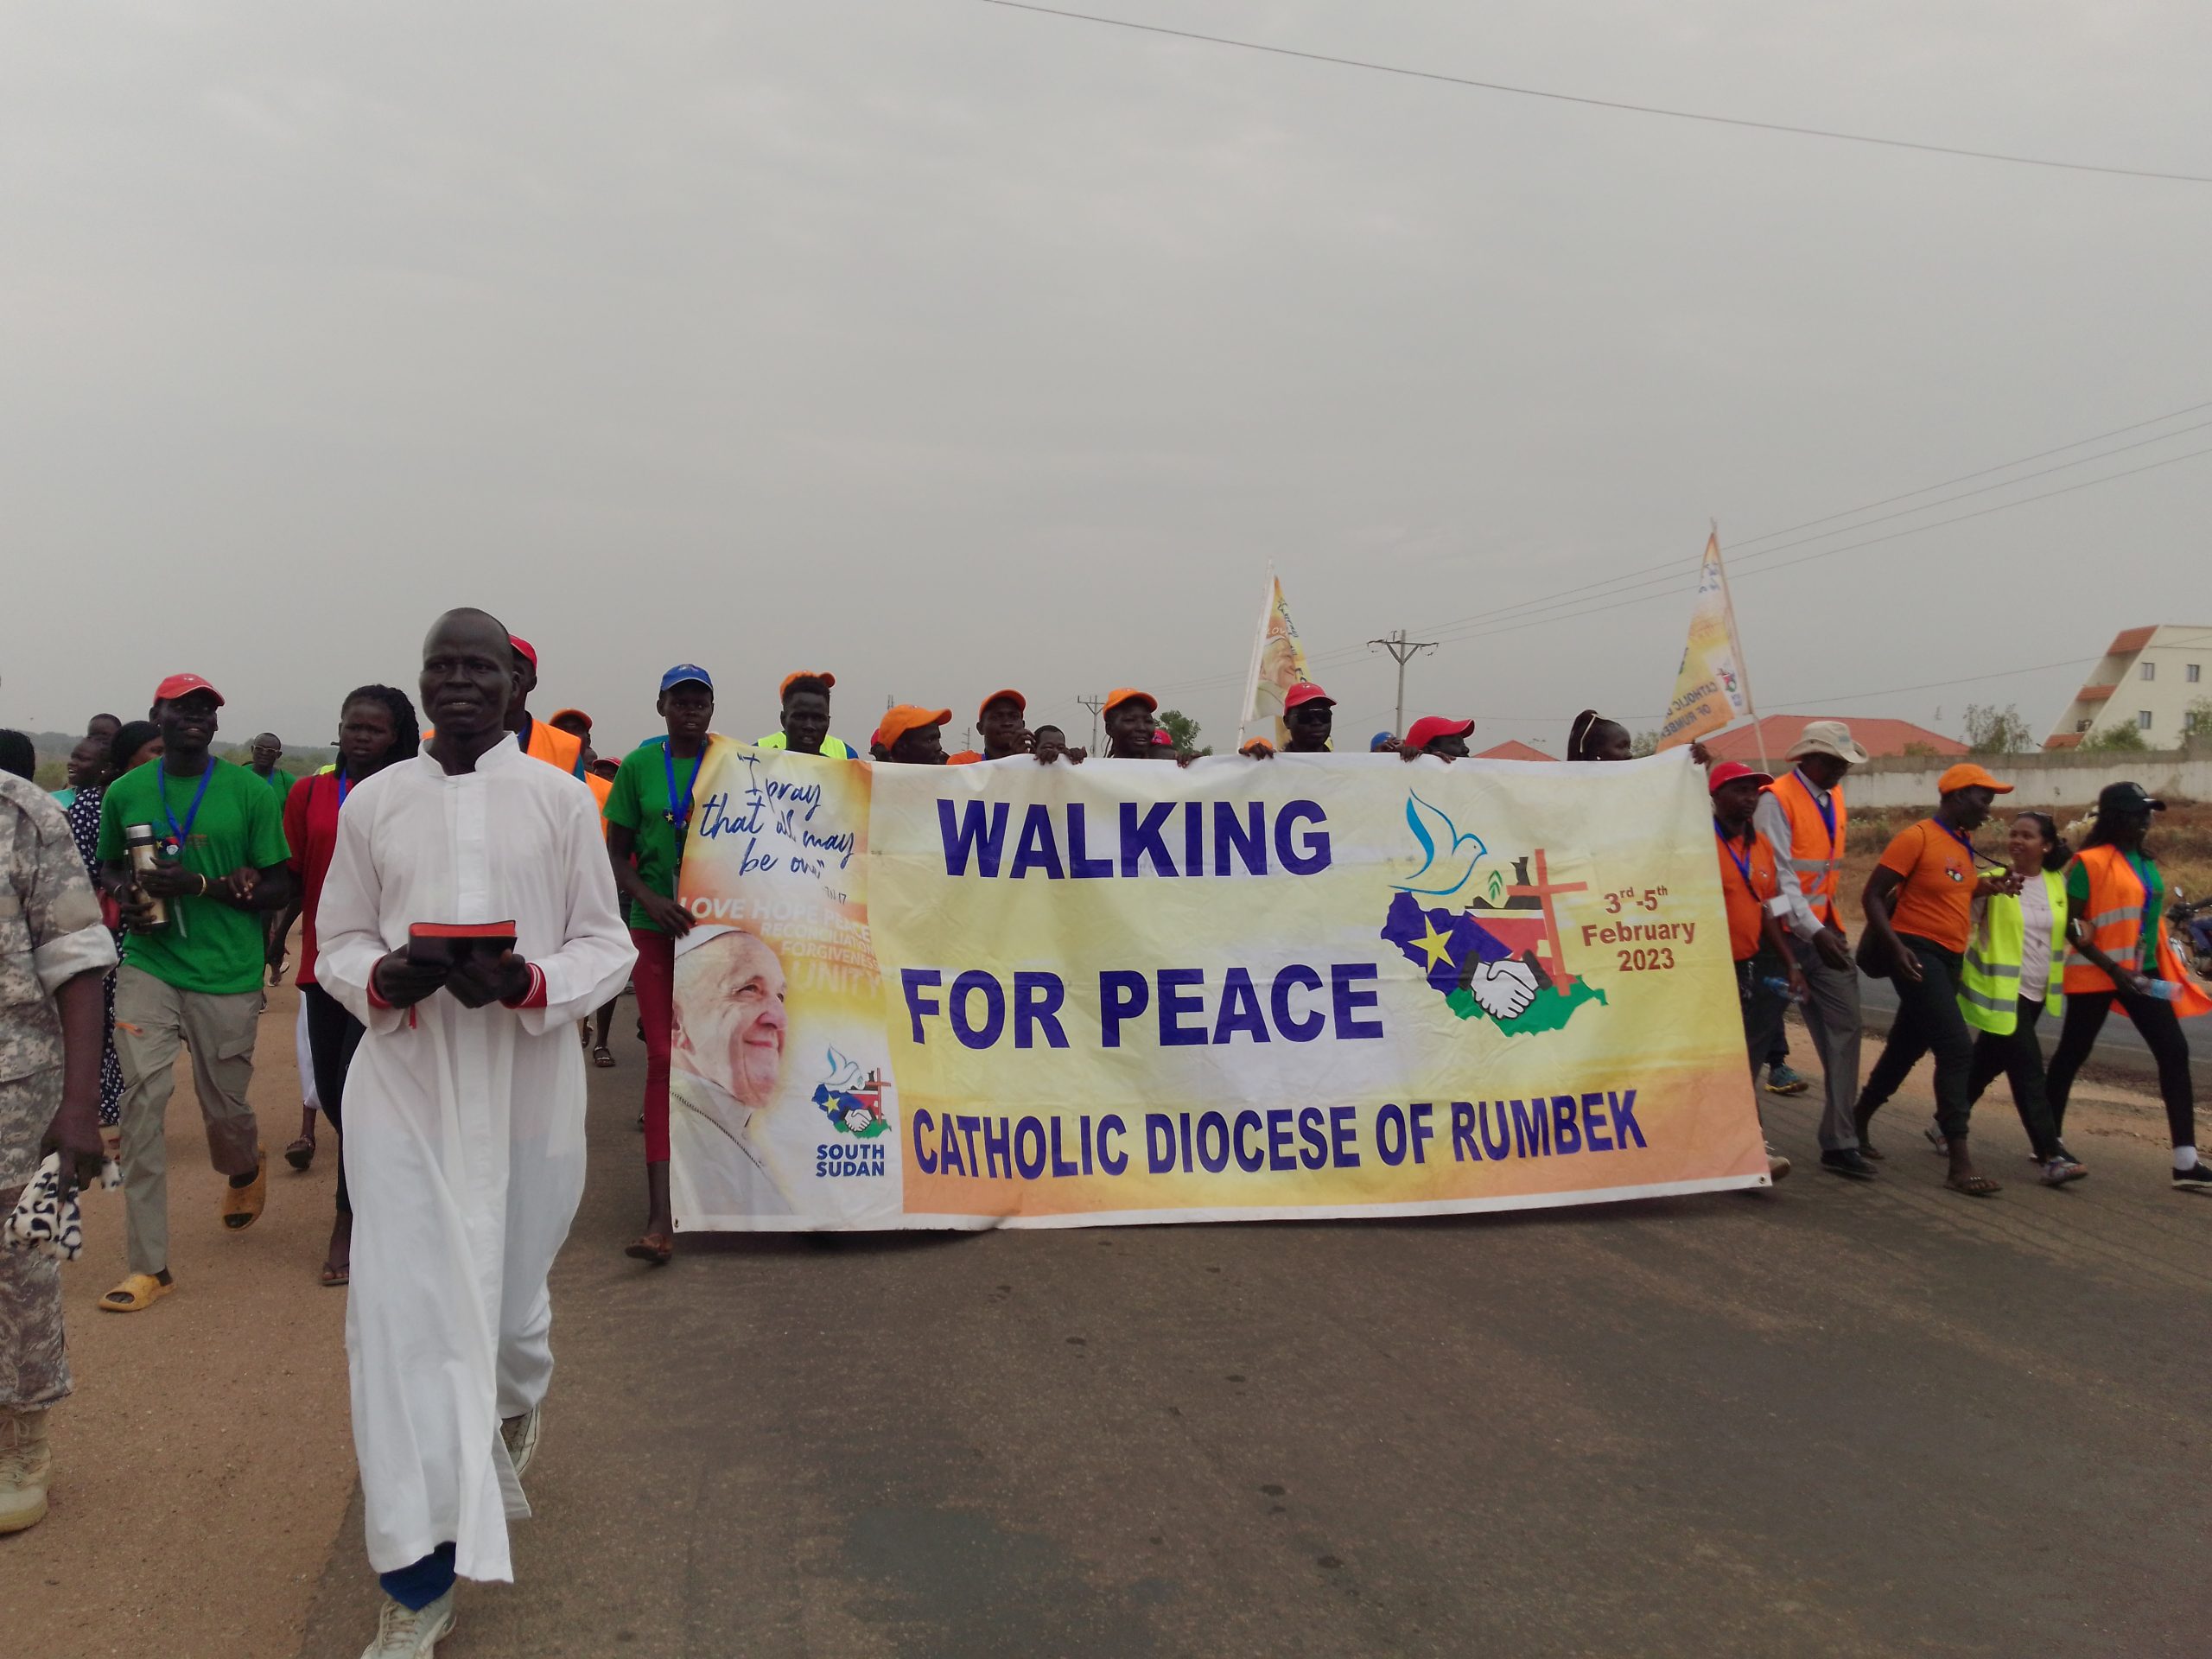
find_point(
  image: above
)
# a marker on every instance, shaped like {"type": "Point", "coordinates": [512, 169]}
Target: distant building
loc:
{"type": "Point", "coordinates": [1878, 737]}
{"type": "Point", "coordinates": [2148, 679]}
{"type": "Point", "coordinates": [1514, 749]}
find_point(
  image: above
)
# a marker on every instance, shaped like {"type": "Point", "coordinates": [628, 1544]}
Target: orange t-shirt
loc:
{"type": "Point", "coordinates": [1936, 901]}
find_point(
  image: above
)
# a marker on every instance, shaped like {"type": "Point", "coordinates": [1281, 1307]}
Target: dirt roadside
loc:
{"type": "Point", "coordinates": [203, 1466]}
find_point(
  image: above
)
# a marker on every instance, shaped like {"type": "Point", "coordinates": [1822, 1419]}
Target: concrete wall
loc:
{"type": "Point", "coordinates": [2054, 778]}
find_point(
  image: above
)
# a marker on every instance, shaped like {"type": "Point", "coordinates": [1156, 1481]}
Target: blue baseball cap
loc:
{"type": "Point", "coordinates": [685, 674]}
{"type": "Point", "coordinates": [1379, 741]}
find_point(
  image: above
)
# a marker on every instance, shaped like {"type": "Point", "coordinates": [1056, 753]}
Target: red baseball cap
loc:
{"type": "Point", "coordinates": [1426, 730]}
{"type": "Point", "coordinates": [1729, 770]}
{"type": "Point", "coordinates": [1019, 703]}
{"type": "Point", "coordinates": [1159, 737]}
{"type": "Point", "coordinates": [183, 685]}
{"type": "Point", "coordinates": [523, 648]}
{"type": "Point", "coordinates": [1306, 691]}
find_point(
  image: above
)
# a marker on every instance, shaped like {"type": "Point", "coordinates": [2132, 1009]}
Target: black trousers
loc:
{"type": "Point", "coordinates": [2017, 1057]}
{"type": "Point", "coordinates": [1763, 1009]}
{"type": "Point", "coordinates": [2161, 1029]}
{"type": "Point", "coordinates": [1927, 1022]}
{"type": "Point", "coordinates": [333, 1035]}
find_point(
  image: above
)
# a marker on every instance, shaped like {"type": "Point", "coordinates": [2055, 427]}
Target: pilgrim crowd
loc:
{"type": "Point", "coordinates": [443, 1053]}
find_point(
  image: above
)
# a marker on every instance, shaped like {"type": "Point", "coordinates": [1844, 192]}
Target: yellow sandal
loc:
{"type": "Point", "coordinates": [137, 1292]}
{"type": "Point", "coordinates": [242, 1204]}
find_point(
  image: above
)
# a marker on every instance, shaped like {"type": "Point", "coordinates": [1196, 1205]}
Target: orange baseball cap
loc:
{"type": "Point", "coordinates": [1966, 775]}
{"type": "Point", "coordinates": [559, 714]}
{"type": "Point", "coordinates": [821, 674]}
{"type": "Point", "coordinates": [905, 718]}
{"type": "Point", "coordinates": [1117, 698]}
{"type": "Point", "coordinates": [1020, 702]}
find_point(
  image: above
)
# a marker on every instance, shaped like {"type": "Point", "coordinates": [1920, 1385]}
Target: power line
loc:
{"type": "Point", "coordinates": [1094, 703]}
{"type": "Point", "coordinates": [1402, 651]}
{"type": "Point", "coordinates": [1514, 623]}
{"type": "Point", "coordinates": [1602, 103]}
{"type": "Point", "coordinates": [1669, 570]}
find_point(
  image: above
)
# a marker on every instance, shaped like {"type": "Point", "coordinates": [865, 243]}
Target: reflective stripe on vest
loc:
{"type": "Point", "coordinates": [2115, 924]}
{"type": "Point", "coordinates": [1816, 877]}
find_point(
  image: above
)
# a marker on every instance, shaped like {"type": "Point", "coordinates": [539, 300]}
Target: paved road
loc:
{"type": "Point", "coordinates": [2120, 1050]}
{"type": "Point", "coordinates": [1827, 1419]}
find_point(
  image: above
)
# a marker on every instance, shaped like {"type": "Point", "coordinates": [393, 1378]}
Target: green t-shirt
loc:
{"type": "Point", "coordinates": [2154, 900]}
{"type": "Point", "coordinates": [279, 780]}
{"type": "Point", "coordinates": [208, 947]}
{"type": "Point", "coordinates": [638, 803]}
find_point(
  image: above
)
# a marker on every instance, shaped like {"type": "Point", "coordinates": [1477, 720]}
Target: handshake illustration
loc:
{"type": "Point", "coordinates": [1503, 989]}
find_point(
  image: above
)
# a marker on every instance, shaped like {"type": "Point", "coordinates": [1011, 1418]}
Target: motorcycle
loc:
{"type": "Point", "coordinates": [2191, 925]}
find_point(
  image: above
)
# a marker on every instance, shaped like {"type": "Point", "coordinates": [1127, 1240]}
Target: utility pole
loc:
{"type": "Point", "coordinates": [1094, 704]}
{"type": "Point", "coordinates": [1403, 649]}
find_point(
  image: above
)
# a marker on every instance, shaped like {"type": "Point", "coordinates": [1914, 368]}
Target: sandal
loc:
{"type": "Point", "coordinates": [137, 1292]}
{"type": "Point", "coordinates": [653, 1248]}
{"type": "Point", "coordinates": [301, 1152]}
{"type": "Point", "coordinates": [1974, 1186]}
{"type": "Point", "coordinates": [603, 1057]}
{"type": "Point", "coordinates": [242, 1204]}
{"type": "Point", "coordinates": [336, 1278]}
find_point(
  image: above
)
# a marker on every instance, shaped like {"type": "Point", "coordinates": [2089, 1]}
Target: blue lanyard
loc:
{"type": "Point", "coordinates": [1743, 865]}
{"type": "Point", "coordinates": [1824, 808]}
{"type": "Point", "coordinates": [1973, 859]}
{"type": "Point", "coordinates": [344, 783]}
{"type": "Point", "coordinates": [680, 817]}
{"type": "Point", "coordinates": [182, 833]}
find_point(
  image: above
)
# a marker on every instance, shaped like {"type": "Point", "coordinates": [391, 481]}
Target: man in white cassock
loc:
{"type": "Point", "coordinates": [465, 1139]}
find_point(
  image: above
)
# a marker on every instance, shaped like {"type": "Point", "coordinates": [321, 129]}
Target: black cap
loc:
{"type": "Point", "coordinates": [2126, 798]}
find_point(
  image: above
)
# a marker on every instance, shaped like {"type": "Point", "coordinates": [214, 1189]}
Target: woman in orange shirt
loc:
{"type": "Point", "coordinates": [1919, 906]}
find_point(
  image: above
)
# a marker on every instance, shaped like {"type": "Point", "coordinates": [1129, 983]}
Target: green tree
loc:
{"type": "Point", "coordinates": [1184, 730]}
{"type": "Point", "coordinates": [1992, 730]}
{"type": "Point", "coordinates": [2121, 739]}
{"type": "Point", "coordinates": [2197, 719]}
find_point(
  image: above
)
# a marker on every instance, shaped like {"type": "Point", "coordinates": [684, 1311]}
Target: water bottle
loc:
{"type": "Point", "coordinates": [138, 841]}
{"type": "Point", "coordinates": [1776, 985]}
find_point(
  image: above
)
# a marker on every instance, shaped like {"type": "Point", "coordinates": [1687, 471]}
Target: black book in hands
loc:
{"type": "Point", "coordinates": [445, 945]}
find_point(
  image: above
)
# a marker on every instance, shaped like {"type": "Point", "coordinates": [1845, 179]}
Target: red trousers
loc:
{"type": "Point", "coordinates": [655, 978]}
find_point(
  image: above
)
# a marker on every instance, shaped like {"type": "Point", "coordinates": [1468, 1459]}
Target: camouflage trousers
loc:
{"type": "Point", "coordinates": [34, 1371]}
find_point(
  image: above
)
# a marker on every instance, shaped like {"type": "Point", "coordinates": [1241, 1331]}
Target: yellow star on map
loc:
{"type": "Point", "coordinates": [1437, 944]}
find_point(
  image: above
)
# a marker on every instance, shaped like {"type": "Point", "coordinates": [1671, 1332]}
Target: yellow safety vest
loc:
{"type": "Point", "coordinates": [1989, 980]}
{"type": "Point", "coordinates": [833, 748]}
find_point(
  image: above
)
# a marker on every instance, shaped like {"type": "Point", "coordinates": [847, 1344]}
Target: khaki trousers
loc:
{"type": "Point", "coordinates": [152, 1018]}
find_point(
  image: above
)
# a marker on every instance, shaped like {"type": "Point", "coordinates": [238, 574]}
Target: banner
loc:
{"type": "Point", "coordinates": [1121, 992]}
{"type": "Point", "coordinates": [1710, 690]}
{"type": "Point", "coordinates": [1277, 663]}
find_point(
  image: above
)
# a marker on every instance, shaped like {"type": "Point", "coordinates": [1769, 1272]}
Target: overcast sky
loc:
{"type": "Point", "coordinates": [949, 347]}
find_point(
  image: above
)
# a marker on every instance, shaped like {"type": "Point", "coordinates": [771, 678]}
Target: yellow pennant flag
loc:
{"type": "Point", "coordinates": [1710, 691]}
{"type": "Point", "coordinates": [1277, 663]}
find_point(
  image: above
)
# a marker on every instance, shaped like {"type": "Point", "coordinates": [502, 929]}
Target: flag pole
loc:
{"type": "Point", "coordinates": [1736, 638]}
{"type": "Point", "coordinates": [1259, 648]}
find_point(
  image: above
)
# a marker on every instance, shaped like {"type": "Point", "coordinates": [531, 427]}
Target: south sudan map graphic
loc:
{"type": "Point", "coordinates": [1497, 959]}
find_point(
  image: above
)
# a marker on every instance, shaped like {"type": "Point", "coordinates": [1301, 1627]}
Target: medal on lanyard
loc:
{"type": "Point", "coordinates": [680, 816]}
{"type": "Point", "coordinates": [181, 832]}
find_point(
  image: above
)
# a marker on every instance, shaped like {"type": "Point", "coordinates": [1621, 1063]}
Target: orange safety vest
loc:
{"type": "Point", "coordinates": [601, 789]}
{"type": "Point", "coordinates": [2115, 923]}
{"type": "Point", "coordinates": [1815, 853]}
{"type": "Point", "coordinates": [1747, 895]}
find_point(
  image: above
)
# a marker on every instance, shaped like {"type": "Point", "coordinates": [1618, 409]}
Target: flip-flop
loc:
{"type": "Point", "coordinates": [336, 1278]}
{"type": "Point", "coordinates": [300, 1153]}
{"type": "Point", "coordinates": [603, 1057]}
{"type": "Point", "coordinates": [242, 1204]}
{"type": "Point", "coordinates": [1974, 1186]}
{"type": "Point", "coordinates": [654, 1247]}
{"type": "Point", "coordinates": [137, 1292]}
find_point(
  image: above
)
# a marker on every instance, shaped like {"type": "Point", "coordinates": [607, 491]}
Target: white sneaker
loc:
{"type": "Point", "coordinates": [521, 1435]}
{"type": "Point", "coordinates": [26, 1465]}
{"type": "Point", "coordinates": [410, 1633]}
